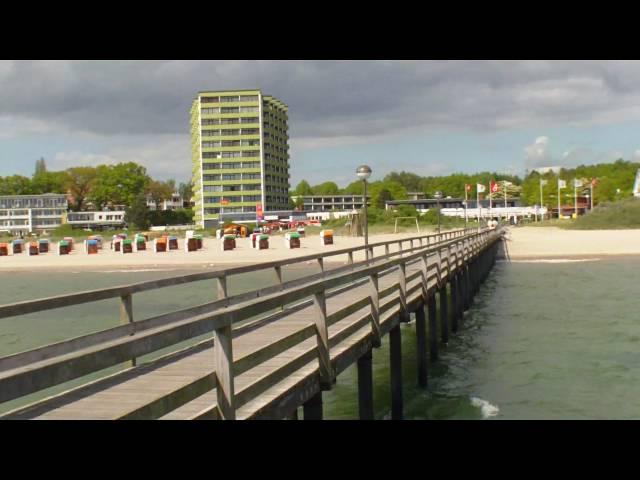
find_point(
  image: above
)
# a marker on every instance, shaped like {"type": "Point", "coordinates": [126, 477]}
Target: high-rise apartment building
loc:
{"type": "Point", "coordinates": [240, 152]}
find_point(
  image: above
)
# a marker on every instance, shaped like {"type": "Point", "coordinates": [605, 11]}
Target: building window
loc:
{"type": "Point", "coordinates": [230, 110]}
{"type": "Point", "coordinates": [249, 98]}
{"type": "Point", "coordinates": [209, 99]}
{"type": "Point", "coordinates": [231, 98]}
{"type": "Point", "coordinates": [209, 111]}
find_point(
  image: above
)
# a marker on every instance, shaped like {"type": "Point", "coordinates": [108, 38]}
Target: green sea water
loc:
{"type": "Point", "coordinates": [542, 340]}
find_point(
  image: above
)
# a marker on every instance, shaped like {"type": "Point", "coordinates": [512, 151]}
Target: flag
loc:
{"type": "Point", "coordinates": [493, 186]}
{"type": "Point", "coordinates": [577, 183]}
{"type": "Point", "coordinates": [594, 182]}
{"type": "Point", "coordinates": [543, 182]}
{"type": "Point", "coordinates": [480, 188]}
{"type": "Point", "coordinates": [467, 187]}
{"type": "Point", "coordinates": [562, 184]}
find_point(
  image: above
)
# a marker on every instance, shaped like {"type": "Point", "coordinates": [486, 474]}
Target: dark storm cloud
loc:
{"type": "Point", "coordinates": [327, 99]}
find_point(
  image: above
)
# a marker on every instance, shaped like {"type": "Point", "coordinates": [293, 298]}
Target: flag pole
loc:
{"type": "Point", "coordinates": [591, 195]}
{"type": "Point", "coordinates": [541, 215]}
{"type": "Point", "coordinates": [575, 198]}
{"type": "Point", "coordinates": [558, 197]}
{"type": "Point", "coordinates": [478, 204]}
{"type": "Point", "coordinates": [465, 206]}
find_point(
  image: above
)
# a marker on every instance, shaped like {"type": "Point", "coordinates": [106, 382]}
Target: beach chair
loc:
{"type": "Point", "coordinates": [33, 249]}
{"type": "Point", "coordinates": [199, 241]}
{"type": "Point", "coordinates": [98, 239]}
{"type": "Point", "coordinates": [63, 248]}
{"type": "Point", "coordinates": [69, 240]}
{"type": "Point", "coordinates": [127, 246]}
{"type": "Point", "coordinates": [228, 242]}
{"type": "Point", "coordinates": [18, 246]}
{"type": "Point", "coordinates": [91, 247]}
{"type": "Point", "coordinates": [43, 246]}
{"type": "Point", "coordinates": [326, 237]}
{"type": "Point", "coordinates": [292, 240]}
{"type": "Point", "coordinates": [160, 245]}
{"type": "Point", "coordinates": [173, 243]}
{"type": "Point", "coordinates": [4, 249]}
{"type": "Point", "coordinates": [141, 243]}
{"type": "Point", "coordinates": [263, 242]}
{"type": "Point", "coordinates": [253, 239]}
{"type": "Point", "coordinates": [300, 231]}
{"type": "Point", "coordinates": [191, 244]}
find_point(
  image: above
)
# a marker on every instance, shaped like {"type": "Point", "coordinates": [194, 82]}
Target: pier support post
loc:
{"type": "Point", "coordinates": [444, 313]}
{"type": "Point", "coordinates": [365, 386]}
{"type": "Point", "coordinates": [454, 303]}
{"type": "Point", "coordinates": [312, 408]}
{"type": "Point", "coordinates": [225, 389]}
{"type": "Point", "coordinates": [126, 316]}
{"type": "Point", "coordinates": [433, 328]}
{"type": "Point", "coordinates": [421, 347]}
{"type": "Point", "coordinates": [395, 351]}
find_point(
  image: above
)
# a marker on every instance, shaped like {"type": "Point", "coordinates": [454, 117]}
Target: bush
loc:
{"type": "Point", "coordinates": [609, 215]}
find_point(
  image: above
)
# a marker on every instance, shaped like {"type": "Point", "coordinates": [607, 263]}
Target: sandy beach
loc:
{"type": "Point", "coordinates": [210, 256]}
{"type": "Point", "coordinates": [552, 242]}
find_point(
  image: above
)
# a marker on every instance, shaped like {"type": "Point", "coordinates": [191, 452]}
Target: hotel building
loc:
{"type": "Point", "coordinates": [25, 214]}
{"type": "Point", "coordinates": [240, 153]}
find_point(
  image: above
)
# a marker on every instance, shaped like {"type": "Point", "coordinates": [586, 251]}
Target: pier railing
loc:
{"type": "Point", "coordinates": [439, 257]}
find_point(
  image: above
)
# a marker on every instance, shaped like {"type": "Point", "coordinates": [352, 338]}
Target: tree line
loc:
{"type": "Point", "coordinates": [614, 181]}
{"type": "Point", "coordinates": [101, 187]}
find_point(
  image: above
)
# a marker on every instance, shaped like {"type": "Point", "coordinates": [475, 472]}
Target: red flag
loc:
{"type": "Point", "coordinates": [594, 182]}
{"type": "Point", "coordinates": [467, 187]}
{"type": "Point", "coordinates": [493, 187]}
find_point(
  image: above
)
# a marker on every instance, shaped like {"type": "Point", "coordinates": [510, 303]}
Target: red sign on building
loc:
{"type": "Point", "coordinates": [259, 213]}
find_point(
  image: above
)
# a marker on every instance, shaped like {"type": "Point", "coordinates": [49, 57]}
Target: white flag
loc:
{"type": "Point", "coordinates": [562, 184]}
{"type": "Point", "coordinates": [480, 188]}
{"type": "Point", "coordinates": [543, 182]}
{"type": "Point", "coordinates": [577, 183]}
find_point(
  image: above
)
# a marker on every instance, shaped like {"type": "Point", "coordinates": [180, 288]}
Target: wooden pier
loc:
{"type": "Point", "coordinates": [268, 351]}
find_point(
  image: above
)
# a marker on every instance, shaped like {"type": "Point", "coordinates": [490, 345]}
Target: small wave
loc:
{"type": "Point", "coordinates": [557, 260]}
{"type": "Point", "coordinates": [487, 409]}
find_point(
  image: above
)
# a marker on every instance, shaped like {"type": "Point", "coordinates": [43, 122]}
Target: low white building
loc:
{"type": "Point", "coordinates": [25, 214]}
{"type": "Point", "coordinates": [97, 220]}
{"type": "Point", "coordinates": [176, 202]}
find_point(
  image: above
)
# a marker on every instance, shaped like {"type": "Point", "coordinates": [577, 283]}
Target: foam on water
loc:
{"type": "Point", "coordinates": [486, 408]}
{"type": "Point", "coordinates": [556, 260]}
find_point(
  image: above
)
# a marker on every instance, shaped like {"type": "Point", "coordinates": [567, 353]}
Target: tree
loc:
{"type": "Point", "coordinates": [41, 167]}
{"type": "Point", "coordinates": [119, 184]}
{"type": "Point", "coordinates": [15, 185]}
{"type": "Point", "coordinates": [354, 188]}
{"type": "Point", "coordinates": [79, 182]}
{"type": "Point", "coordinates": [303, 188]}
{"type": "Point", "coordinates": [410, 181]}
{"type": "Point", "coordinates": [48, 182]}
{"type": "Point", "coordinates": [160, 191]}
{"type": "Point", "coordinates": [137, 214]}
{"type": "Point", "coordinates": [326, 188]}
{"type": "Point", "coordinates": [382, 196]}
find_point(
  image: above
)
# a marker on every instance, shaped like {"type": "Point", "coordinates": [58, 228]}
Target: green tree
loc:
{"type": "Point", "coordinates": [326, 188]}
{"type": "Point", "coordinates": [41, 166]}
{"type": "Point", "coordinates": [410, 181]}
{"type": "Point", "coordinates": [79, 184]}
{"type": "Point", "coordinates": [16, 185]}
{"type": "Point", "coordinates": [354, 188]}
{"type": "Point", "coordinates": [48, 182]}
{"type": "Point", "coordinates": [137, 213]}
{"type": "Point", "coordinates": [303, 188]}
{"type": "Point", "coordinates": [186, 191]}
{"type": "Point", "coordinates": [160, 191]}
{"type": "Point", "coordinates": [119, 184]}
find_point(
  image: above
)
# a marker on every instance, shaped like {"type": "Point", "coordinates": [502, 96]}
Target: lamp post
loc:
{"type": "Point", "coordinates": [438, 196]}
{"type": "Point", "coordinates": [364, 172]}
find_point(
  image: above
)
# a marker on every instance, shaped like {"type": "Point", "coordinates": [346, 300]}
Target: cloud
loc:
{"type": "Point", "coordinates": [538, 154]}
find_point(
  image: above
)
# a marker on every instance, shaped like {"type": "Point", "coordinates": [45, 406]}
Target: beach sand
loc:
{"type": "Point", "coordinates": [553, 242]}
{"type": "Point", "coordinates": [210, 256]}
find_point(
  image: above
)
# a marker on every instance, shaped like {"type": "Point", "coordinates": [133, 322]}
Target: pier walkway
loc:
{"type": "Point", "coordinates": [265, 352]}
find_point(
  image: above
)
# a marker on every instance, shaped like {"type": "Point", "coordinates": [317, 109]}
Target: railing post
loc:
{"type": "Point", "coordinates": [386, 250]}
{"type": "Point", "coordinates": [278, 270]}
{"type": "Point", "coordinates": [126, 316]}
{"type": "Point", "coordinates": [375, 309]}
{"type": "Point", "coordinates": [327, 378]}
{"type": "Point", "coordinates": [350, 258]}
{"type": "Point", "coordinates": [222, 288]}
{"type": "Point", "coordinates": [225, 389]}
{"type": "Point", "coordinates": [321, 264]}
{"type": "Point", "coordinates": [425, 278]}
{"type": "Point", "coordinates": [402, 281]}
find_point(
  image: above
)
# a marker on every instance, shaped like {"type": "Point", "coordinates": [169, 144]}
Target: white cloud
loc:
{"type": "Point", "coordinates": [538, 153]}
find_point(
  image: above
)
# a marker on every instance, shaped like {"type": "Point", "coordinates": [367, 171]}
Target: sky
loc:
{"type": "Point", "coordinates": [426, 117]}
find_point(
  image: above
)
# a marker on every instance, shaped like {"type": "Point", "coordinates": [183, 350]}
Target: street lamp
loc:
{"type": "Point", "coordinates": [438, 196]}
{"type": "Point", "coordinates": [364, 172]}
